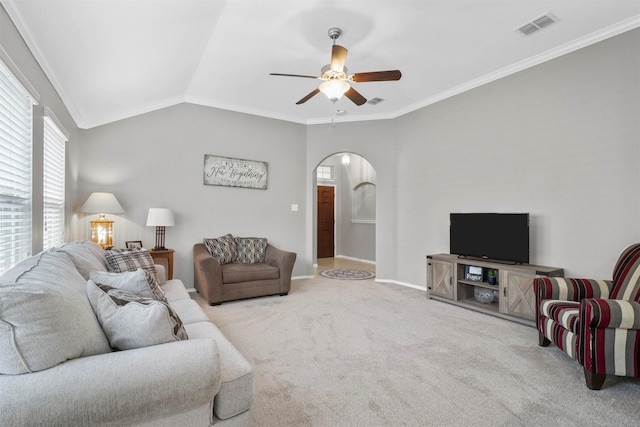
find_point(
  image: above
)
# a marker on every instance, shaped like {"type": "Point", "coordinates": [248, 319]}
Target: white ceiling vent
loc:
{"type": "Point", "coordinates": [374, 101]}
{"type": "Point", "coordinates": [537, 24]}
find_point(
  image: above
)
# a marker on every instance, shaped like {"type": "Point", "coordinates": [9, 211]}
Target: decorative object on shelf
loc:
{"type": "Point", "coordinates": [130, 244]}
{"type": "Point", "coordinates": [483, 295]}
{"type": "Point", "coordinates": [102, 228]}
{"type": "Point", "coordinates": [228, 172]}
{"type": "Point", "coordinates": [492, 278]}
{"type": "Point", "coordinates": [160, 218]}
{"type": "Point", "coordinates": [473, 273]}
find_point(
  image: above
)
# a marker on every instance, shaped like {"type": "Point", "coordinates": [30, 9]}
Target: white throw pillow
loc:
{"type": "Point", "coordinates": [138, 282]}
{"type": "Point", "coordinates": [130, 321]}
{"type": "Point", "coordinates": [43, 325]}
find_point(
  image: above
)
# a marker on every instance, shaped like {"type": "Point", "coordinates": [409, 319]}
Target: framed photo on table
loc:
{"type": "Point", "coordinates": [132, 244]}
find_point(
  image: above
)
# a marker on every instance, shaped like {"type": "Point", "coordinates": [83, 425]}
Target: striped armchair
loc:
{"type": "Point", "coordinates": [596, 322]}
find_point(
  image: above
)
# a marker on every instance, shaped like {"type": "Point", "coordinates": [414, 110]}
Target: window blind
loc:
{"type": "Point", "coordinates": [53, 189]}
{"type": "Point", "coordinates": [15, 171]}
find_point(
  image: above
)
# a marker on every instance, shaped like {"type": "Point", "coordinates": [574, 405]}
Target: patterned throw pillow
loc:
{"type": "Point", "coordinates": [223, 248]}
{"type": "Point", "coordinates": [123, 260]}
{"type": "Point", "coordinates": [251, 249]}
{"type": "Point", "coordinates": [130, 321]}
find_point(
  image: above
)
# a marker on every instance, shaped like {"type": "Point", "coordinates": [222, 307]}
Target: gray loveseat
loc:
{"type": "Point", "coordinates": [242, 272]}
{"type": "Point", "coordinates": [57, 367]}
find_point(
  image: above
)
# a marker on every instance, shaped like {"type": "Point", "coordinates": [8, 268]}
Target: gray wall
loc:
{"type": "Point", "coordinates": [560, 140]}
{"type": "Point", "coordinates": [156, 160]}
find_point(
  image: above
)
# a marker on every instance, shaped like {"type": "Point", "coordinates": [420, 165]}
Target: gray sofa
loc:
{"type": "Point", "coordinates": [47, 319]}
{"type": "Point", "coordinates": [219, 282]}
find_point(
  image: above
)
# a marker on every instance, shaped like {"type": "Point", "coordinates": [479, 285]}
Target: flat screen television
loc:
{"type": "Point", "coordinates": [495, 236]}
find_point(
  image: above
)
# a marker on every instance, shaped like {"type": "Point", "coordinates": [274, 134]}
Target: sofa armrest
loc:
{"type": "Point", "coordinates": [161, 273]}
{"type": "Point", "coordinates": [207, 274]}
{"type": "Point", "coordinates": [122, 387]}
{"type": "Point", "coordinates": [284, 261]}
{"type": "Point", "coordinates": [610, 313]}
{"type": "Point", "coordinates": [567, 289]}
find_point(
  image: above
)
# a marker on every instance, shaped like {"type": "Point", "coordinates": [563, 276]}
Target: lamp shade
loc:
{"type": "Point", "coordinates": [160, 217]}
{"type": "Point", "coordinates": [101, 203]}
{"type": "Point", "coordinates": [334, 89]}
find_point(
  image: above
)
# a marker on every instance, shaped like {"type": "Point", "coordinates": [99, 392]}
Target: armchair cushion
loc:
{"type": "Point", "coordinates": [235, 273]}
{"type": "Point", "coordinates": [626, 275]}
{"type": "Point", "coordinates": [564, 313]}
{"type": "Point", "coordinates": [223, 248]}
{"type": "Point", "coordinates": [251, 249]}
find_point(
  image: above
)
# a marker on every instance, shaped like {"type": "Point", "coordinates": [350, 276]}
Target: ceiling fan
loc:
{"type": "Point", "coordinates": [336, 78]}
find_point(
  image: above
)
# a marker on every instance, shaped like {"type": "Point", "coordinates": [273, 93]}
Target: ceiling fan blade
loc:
{"type": "Point", "coordinates": [309, 96]}
{"type": "Point", "coordinates": [377, 76]}
{"type": "Point", "coordinates": [338, 57]}
{"type": "Point", "coordinates": [355, 96]}
{"type": "Point", "coordinates": [293, 75]}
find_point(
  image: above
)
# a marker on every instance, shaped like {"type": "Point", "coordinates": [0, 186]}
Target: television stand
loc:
{"type": "Point", "coordinates": [513, 296]}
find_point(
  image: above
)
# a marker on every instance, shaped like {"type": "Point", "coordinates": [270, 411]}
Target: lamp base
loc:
{"type": "Point", "coordinates": [160, 231]}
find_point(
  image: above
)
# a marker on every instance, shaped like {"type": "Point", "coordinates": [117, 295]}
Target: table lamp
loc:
{"type": "Point", "coordinates": [102, 228]}
{"type": "Point", "coordinates": [160, 218]}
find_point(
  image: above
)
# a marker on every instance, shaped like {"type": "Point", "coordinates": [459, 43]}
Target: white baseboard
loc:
{"type": "Point", "coordinates": [302, 277]}
{"type": "Point", "coordinates": [355, 259]}
{"type": "Point", "coordinates": [408, 285]}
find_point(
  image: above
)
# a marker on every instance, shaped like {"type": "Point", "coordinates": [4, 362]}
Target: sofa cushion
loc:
{"type": "Point", "coordinates": [564, 313]}
{"type": "Point", "coordinates": [121, 260]}
{"type": "Point", "coordinates": [174, 290]}
{"type": "Point", "coordinates": [86, 256]}
{"type": "Point", "coordinates": [130, 321]}
{"type": "Point", "coordinates": [42, 326]}
{"type": "Point", "coordinates": [189, 311]}
{"type": "Point", "coordinates": [138, 282]}
{"type": "Point", "coordinates": [236, 390]}
{"type": "Point", "coordinates": [251, 249]}
{"type": "Point", "coordinates": [223, 248]}
{"type": "Point", "coordinates": [234, 273]}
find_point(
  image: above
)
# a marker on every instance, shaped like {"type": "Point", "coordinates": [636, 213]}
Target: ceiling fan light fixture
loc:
{"type": "Point", "coordinates": [334, 89]}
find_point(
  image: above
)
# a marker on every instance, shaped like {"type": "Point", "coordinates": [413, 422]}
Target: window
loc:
{"type": "Point", "coordinates": [53, 186]}
{"type": "Point", "coordinates": [324, 173]}
{"type": "Point", "coordinates": [15, 170]}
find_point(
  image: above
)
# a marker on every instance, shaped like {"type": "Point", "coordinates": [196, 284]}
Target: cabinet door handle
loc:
{"type": "Point", "coordinates": [505, 292]}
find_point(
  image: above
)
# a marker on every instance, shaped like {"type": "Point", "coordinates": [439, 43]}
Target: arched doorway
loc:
{"type": "Point", "coordinates": [345, 200]}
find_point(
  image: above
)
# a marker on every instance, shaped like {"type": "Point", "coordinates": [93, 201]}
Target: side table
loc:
{"type": "Point", "coordinates": [165, 255]}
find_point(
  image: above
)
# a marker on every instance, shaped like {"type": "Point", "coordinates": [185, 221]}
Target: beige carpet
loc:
{"type": "Point", "coordinates": [361, 353]}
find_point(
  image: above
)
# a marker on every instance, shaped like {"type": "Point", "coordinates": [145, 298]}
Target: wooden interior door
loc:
{"type": "Point", "coordinates": [326, 221]}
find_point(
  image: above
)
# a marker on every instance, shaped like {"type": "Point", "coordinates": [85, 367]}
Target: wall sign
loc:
{"type": "Point", "coordinates": [229, 172]}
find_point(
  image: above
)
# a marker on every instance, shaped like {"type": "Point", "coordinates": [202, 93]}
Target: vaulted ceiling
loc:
{"type": "Point", "coordinates": [110, 59]}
